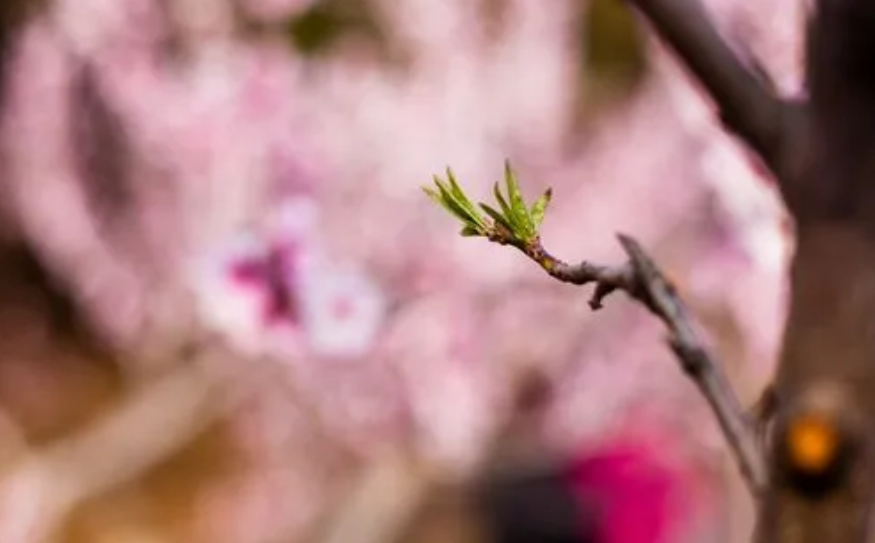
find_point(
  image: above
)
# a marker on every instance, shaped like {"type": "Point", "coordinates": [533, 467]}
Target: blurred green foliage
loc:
{"type": "Point", "coordinates": [612, 48]}
{"type": "Point", "coordinates": [613, 58]}
{"type": "Point", "coordinates": [321, 26]}
{"type": "Point", "coordinates": [613, 42]}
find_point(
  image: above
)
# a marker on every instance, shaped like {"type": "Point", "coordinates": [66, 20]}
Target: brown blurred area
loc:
{"type": "Point", "coordinates": [61, 385]}
{"type": "Point", "coordinates": [58, 382]}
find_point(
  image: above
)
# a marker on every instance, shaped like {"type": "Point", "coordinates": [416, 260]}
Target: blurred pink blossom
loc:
{"type": "Point", "coordinates": [249, 161]}
{"type": "Point", "coordinates": [336, 311]}
{"type": "Point", "coordinates": [639, 489]}
{"type": "Point", "coordinates": [343, 310]}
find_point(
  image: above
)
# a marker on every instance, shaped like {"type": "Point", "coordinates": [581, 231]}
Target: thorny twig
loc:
{"type": "Point", "coordinates": [641, 279]}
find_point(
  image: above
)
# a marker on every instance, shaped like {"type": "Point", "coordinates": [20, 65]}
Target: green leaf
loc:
{"type": "Point", "coordinates": [449, 202]}
{"type": "Point", "coordinates": [440, 200]}
{"type": "Point", "coordinates": [433, 194]}
{"type": "Point", "coordinates": [454, 185]}
{"type": "Point", "coordinates": [463, 200]}
{"type": "Point", "coordinates": [505, 208]}
{"type": "Point", "coordinates": [498, 217]}
{"type": "Point", "coordinates": [457, 202]}
{"type": "Point", "coordinates": [463, 209]}
{"type": "Point", "coordinates": [519, 211]}
{"type": "Point", "coordinates": [471, 231]}
{"type": "Point", "coordinates": [539, 208]}
{"type": "Point", "coordinates": [513, 190]}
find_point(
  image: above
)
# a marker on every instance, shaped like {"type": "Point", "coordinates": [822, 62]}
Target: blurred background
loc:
{"type": "Point", "coordinates": [228, 314]}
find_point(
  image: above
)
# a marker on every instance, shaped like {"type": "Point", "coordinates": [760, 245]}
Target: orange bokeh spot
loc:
{"type": "Point", "coordinates": [812, 443]}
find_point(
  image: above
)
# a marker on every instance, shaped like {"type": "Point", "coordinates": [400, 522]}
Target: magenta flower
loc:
{"type": "Point", "coordinates": [271, 273]}
{"type": "Point", "coordinates": [249, 289]}
{"type": "Point", "coordinates": [637, 490]}
{"type": "Point", "coordinates": [631, 490]}
{"type": "Point", "coordinates": [340, 310]}
{"type": "Point", "coordinates": [280, 281]}
{"type": "Point", "coordinates": [630, 494]}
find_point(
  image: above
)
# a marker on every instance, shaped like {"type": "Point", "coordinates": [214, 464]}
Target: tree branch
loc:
{"type": "Point", "coordinates": [642, 280]}
{"type": "Point", "coordinates": [701, 365]}
{"type": "Point", "coordinates": [742, 91]}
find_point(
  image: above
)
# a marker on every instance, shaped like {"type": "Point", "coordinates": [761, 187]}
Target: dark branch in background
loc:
{"type": "Point", "coordinates": [743, 93]}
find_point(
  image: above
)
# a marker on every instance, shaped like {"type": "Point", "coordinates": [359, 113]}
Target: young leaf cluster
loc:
{"type": "Point", "coordinates": [513, 221]}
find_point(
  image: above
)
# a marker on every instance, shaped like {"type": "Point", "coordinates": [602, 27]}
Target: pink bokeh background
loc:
{"type": "Point", "coordinates": [186, 178]}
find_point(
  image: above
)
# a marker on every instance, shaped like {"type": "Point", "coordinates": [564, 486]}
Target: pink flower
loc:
{"type": "Point", "coordinates": [252, 286]}
{"type": "Point", "coordinates": [343, 310]}
{"type": "Point", "coordinates": [282, 282]}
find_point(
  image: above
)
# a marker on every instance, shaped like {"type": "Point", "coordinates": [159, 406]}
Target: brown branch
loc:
{"type": "Point", "coordinates": [745, 97]}
{"type": "Point", "coordinates": [642, 280]}
{"type": "Point", "coordinates": [701, 365]}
